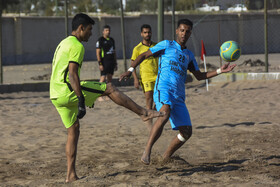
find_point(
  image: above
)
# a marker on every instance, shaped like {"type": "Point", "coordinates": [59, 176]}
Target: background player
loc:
{"type": "Point", "coordinates": [169, 92]}
{"type": "Point", "coordinates": [70, 96]}
{"type": "Point", "coordinates": [106, 55]}
{"type": "Point", "coordinates": [148, 68]}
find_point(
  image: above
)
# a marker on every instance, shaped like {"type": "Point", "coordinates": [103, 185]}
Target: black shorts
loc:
{"type": "Point", "coordinates": [109, 68]}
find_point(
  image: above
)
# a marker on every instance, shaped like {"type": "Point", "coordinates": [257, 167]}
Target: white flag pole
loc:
{"type": "Point", "coordinates": [204, 60]}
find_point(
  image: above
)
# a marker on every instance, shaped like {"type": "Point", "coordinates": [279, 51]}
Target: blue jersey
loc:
{"type": "Point", "coordinates": [172, 68]}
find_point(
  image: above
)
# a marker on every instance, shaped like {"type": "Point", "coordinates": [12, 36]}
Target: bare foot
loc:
{"type": "Point", "coordinates": [145, 159]}
{"type": "Point", "coordinates": [150, 114]}
{"type": "Point", "coordinates": [71, 179]}
{"type": "Point", "coordinates": [165, 160]}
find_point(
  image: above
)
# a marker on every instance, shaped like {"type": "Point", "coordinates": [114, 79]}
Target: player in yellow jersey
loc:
{"type": "Point", "coordinates": [70, 96]}
{"type": "Point", "coordinates": [148, 68]}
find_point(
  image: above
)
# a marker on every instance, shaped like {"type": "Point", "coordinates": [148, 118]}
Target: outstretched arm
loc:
{"type": "Point", "coordinates": [206, 75]}
{"type": "Point", "coordinates": [135, 63]}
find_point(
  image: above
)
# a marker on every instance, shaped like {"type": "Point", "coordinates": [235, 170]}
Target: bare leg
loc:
{"type": "Point", "coordinates": [102, 78]}
{"type": "Point", "coordinates": [109, 78]}
{"type": "Point", "coordinates": [155, 134]}
{"type": "Point", "coordinates": [186, 132]}
{"type": "Point", "coordinates": [123, 100]}
{"type": "Point", "coordinates": [71, 151]}
{"type": "Point", "coordinates": [149, 105]}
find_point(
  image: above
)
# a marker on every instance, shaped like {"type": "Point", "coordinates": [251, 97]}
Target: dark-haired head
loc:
{"type": "Point", "coordinates": [106, 27]}
{"type": "Point", "coordinates": [186, 22]}
{"type": "Point", "coordinates": [145, 26]}
{"type": "Point", "coordinates": [83, 19]}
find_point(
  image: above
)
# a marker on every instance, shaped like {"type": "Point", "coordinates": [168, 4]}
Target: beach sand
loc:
{"type": "Point", "coordinates": [235, 140]}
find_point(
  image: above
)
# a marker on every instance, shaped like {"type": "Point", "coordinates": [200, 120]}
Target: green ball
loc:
{"type": "Point", "coordinates": [230, 51]}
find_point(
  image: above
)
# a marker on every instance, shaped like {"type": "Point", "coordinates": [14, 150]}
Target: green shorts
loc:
{"type": "Point", "coordinates": [67, 106]}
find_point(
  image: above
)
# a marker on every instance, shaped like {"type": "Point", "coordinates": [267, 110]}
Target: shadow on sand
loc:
{"type": "Point", "coordinates": [207, 167]}
{"type": "Point", "coordinates": [232, 125]}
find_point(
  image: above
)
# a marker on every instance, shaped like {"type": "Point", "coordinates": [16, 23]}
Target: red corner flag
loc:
{"type": "Point", "coordinates": [203, 51]}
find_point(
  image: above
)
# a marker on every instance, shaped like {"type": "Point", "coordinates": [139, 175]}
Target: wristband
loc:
{"type": "Point", "coordinates": [219, 71]}
{"type": "Point", "coordinates": [100, 63]}
{"type": "Point", "coordinates": [131, 69]}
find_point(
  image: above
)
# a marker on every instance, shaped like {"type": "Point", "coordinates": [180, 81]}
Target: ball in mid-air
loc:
{"type": "Point", "coordinates": [230, 51]}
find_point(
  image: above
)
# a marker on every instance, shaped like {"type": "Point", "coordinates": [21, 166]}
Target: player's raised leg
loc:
{"type": "Point", "coordinates": [71, 151]}
{"type": "Point", "coordinates": [155, 133]}
{"type": "Point", "coordinates": [185, 133]}
{"type": "Point", "coordinates": [123, 100]}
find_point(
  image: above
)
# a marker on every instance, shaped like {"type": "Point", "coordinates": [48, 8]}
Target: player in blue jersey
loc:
{"type": "Point", "coordinates": [169, 92]}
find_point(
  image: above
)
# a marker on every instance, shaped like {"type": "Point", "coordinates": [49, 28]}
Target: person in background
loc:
{"type": "Point", "coordinates": [148, 68]}
{"type": "Point", "coordinates": [106, 55]}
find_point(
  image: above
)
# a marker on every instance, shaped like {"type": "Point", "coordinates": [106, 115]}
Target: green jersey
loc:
{"type": "Point", "coordinates": [69, 50]}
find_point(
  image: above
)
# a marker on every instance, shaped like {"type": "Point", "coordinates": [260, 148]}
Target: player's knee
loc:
{"type": "Point", "coordinates": [110, 88]}
{"type": "Point", "coordinates": [163, 119]}
{"type": "Point", "coordinates": [167, 115]}
{"type": "Point", "coordinates": [185, 133]}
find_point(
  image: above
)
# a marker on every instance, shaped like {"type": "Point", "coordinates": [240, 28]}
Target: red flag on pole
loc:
{"type": "Point", "coordinates": [203, 51]}
{"type": "Point", "coordinates": [202, 56]}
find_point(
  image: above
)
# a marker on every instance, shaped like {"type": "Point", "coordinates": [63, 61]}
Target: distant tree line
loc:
{"type": "Point", "coordinates": [47, 7]}
{"type": "Point", "coordinates": [56, 7]}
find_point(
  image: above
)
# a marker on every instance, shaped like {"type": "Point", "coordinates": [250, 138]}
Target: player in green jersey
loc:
{"type": "Point", "coordinates": [70, 96]}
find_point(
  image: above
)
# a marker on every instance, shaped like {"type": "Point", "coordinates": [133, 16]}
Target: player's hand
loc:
{"type": "Point", "coordinates": [101, 68]}
{"type": "Point", "coordinates": [227, 67]}
{"type": "Point", "coordinates": [125, 75]}
{"type": "Point", "coordinates": [81, 107]}
{"type": "Point", "coordinates": [116, 67]}
{"type": "Point", "coordinates": [136, 83]}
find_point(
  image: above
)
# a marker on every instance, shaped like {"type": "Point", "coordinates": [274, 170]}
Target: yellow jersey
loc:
{"type": "Point", "coordinates": [149, 67]}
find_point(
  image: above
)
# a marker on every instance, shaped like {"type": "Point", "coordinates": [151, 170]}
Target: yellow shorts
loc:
{"type": "Point", "coordinates": [147, 86]}
{"type": "Point", "coordinates": [67, 106]}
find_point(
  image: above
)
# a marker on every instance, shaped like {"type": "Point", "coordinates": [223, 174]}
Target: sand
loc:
{"type": "Point", "coordinates": [235, 141]}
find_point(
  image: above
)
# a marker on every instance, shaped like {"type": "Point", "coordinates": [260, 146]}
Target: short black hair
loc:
{"type": "Point", "coordinates": [186, 22]}
{"type": "Point", "coordinates": [83, 19]}
{"type": "Point", "coordinates": [106, 27]}
{"type": "Point", "coordinates": [145, 26]}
